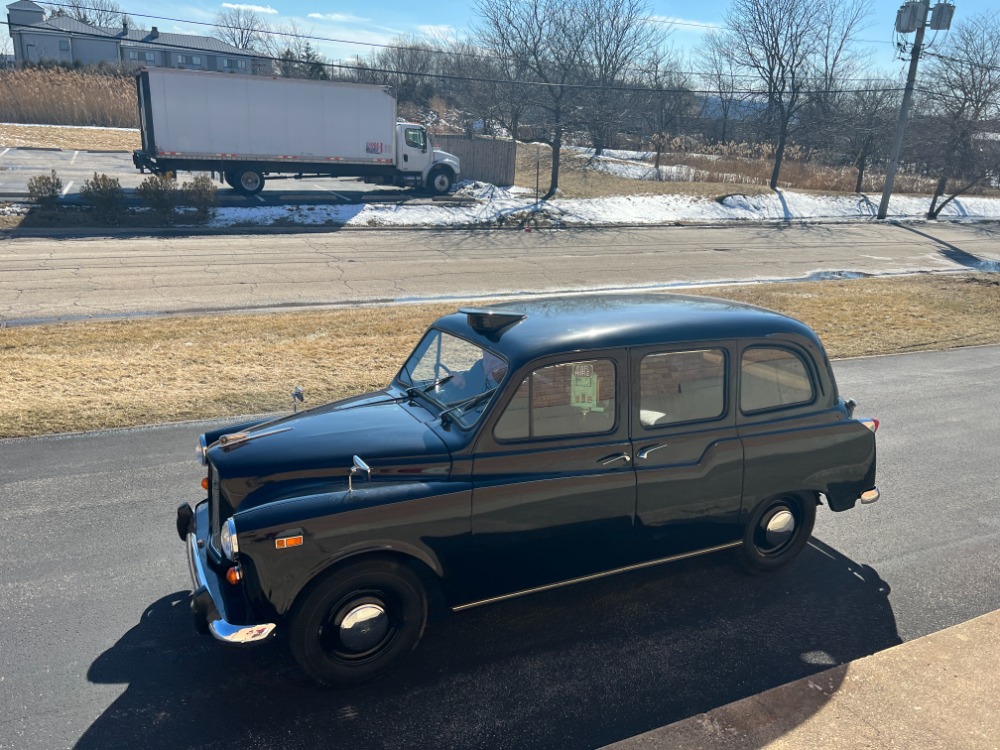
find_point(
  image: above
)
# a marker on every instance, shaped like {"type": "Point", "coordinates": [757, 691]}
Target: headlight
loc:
{"type": "Point", "coordinates": [202, 451]}
{"type": "Point", "coordinates": [228, 539]}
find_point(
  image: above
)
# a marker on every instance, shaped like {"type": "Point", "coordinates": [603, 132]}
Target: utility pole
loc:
{"type": "Point", "coordinates": [902, 24]}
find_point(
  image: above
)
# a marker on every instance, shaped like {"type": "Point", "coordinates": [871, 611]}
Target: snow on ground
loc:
{"type": "Point", "coordinates": [490, 205]}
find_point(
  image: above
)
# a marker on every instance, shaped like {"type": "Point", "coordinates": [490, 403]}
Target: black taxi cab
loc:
{"type": "Point", "coordinates": [521, 447]}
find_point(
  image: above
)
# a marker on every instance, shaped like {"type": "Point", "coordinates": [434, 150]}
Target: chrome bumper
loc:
{"type": "Point", "coordinates": [206, 598]}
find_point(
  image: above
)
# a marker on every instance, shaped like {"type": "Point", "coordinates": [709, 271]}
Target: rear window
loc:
{"type": "Point", "coordinates": [772, 379]}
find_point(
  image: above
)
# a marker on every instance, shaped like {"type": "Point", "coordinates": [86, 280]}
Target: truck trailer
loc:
{"type": "Point", "coordinates": [247, 129]}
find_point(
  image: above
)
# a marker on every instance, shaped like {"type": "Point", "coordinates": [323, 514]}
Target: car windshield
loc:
{"type": "Point", "coordinates": [454, 374]}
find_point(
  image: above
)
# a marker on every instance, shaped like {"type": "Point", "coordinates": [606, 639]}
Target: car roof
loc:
{"type": "Point", "coordinates": [540, 327]}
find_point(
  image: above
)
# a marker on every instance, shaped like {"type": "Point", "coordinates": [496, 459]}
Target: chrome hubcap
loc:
{"type": "Point", "coordinates": [250, 181]}
{"type": "Point", "coordinates": [364, 627]}
{"type": "Point", "coordinates": [779, 528]}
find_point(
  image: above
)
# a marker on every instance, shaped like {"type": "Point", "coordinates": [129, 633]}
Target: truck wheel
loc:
{"type": "Point", "coordinates": [440, 180]}
{"type": "Point", "coordinates": [248, 181]}
{"type": "Point", "coordinates": [355, 625]}
{"type": "Point", "coordinates": [777, 532]}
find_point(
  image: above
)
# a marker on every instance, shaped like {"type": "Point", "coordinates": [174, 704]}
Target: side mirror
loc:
{"type": "Point", "coordinates": [359, 465]}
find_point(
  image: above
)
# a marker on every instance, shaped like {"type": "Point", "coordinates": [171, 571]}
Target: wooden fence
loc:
{"type": "Point", "coordinates": [483, 159]}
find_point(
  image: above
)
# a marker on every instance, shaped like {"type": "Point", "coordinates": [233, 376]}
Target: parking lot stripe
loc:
{"type": "Point", "coordinates": [259, 198]}
{"type": "Point", "coordinates": [4, 151]}
{"type": "Point", "coordinates": [75, 154]}
{"type": "Point", "coordinates": [66, 189]}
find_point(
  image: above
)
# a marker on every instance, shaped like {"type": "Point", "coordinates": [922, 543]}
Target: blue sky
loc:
{"type": "Point", "coordinates": [380, 21]}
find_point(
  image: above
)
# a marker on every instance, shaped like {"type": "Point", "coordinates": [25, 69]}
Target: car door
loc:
{"type": "Point", "coordinates": [553, 486]}
{"type": "Point", "coordinates": [688, 455]}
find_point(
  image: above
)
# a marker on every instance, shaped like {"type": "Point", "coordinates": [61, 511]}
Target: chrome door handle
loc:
{"type": "Point", "coordinates": [644, 453]}
{"type": "Point", "coordinates": [620, 457]}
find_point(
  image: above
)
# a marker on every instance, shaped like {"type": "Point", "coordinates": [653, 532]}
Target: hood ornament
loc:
{"type": "Point", "coordinates": [297, 398]}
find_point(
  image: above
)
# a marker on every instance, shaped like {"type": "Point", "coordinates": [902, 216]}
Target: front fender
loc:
{"type": "Point", "coordinates": [428, 521]}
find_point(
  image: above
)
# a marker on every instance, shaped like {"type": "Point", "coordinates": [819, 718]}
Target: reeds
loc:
{"type": "Point", "coordinates": [56, 96]}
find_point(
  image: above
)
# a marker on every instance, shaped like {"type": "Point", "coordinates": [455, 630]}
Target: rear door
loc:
{"type": "Point", "coordinates": [688, 456]}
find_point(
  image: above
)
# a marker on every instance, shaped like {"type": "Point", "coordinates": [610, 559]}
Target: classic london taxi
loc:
{"type": "Point", "coordinates": [520, 448]}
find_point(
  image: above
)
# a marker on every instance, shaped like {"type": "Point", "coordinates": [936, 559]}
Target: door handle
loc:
{"type": "Point", "coordinates": [620, 457]}
{"type": "Point", "coordinates": [644, 453]}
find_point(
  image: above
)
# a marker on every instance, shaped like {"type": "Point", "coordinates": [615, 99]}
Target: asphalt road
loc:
{"type": "Point", "coordinates": [97, 648]}
{"type": "Point", "coordinates": [63, 278]}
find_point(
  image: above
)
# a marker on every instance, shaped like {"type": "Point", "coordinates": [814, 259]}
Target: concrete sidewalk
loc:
{"type": "Point", "coordinates": [940, 691]}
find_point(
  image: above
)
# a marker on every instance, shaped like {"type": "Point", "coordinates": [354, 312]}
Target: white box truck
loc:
{"type": "Point", "coordinates": [246, 129]}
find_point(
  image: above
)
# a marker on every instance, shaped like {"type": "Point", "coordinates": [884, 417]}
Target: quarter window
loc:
{"type": "Point", "coordinates": [682, 387]}
{"type": "Point", "coordinates": [575, 398]}
{"type": "Point", "coordinates": [773, 378]}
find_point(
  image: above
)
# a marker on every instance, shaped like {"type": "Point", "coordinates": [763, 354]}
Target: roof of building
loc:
{"type": "Point", "coordinates": [25, 5]}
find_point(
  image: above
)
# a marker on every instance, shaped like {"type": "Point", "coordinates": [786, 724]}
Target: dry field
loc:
{"type": "Point", "coordinates": [68, 97]}
{"type": "Point", "coordinates": [85, 376]}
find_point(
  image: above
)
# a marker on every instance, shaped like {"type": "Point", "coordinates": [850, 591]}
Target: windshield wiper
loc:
{"type": "Point", "coordinates": [415, 390]}
{"type": "Point", "coordinates": [469, 402]}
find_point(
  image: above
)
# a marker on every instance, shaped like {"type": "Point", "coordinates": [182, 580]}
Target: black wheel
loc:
{"type": "Point", "coordinates": [777, 532]}
{"type": "Point", "coordinates": [440, 180]}
{"type": "Point", "coordinates": [248, 181]}
{"type": "Point", "coordinates": [356, 624]}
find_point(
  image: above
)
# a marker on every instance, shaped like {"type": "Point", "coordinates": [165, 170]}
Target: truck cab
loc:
{"type": "Point", "coordinates": [419, 163]}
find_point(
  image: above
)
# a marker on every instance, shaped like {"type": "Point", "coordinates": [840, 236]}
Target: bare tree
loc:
{"type": "Point", "coordinates": [718, 68]}
{"type": "Point", "coordinates": [785, 44]}
{"type": "Point", "coordinates": [548, 38]}
{"type": "Point", "coordinates": [242, 28]}
{"type": "Point", "coordinates": [100, 13]}
{"type": "Point", "coordinates": [666, 101]}
{"type": "Point", "coordinates": [956, 128]}
{"type": "Point", "coordinates": [867, 122]}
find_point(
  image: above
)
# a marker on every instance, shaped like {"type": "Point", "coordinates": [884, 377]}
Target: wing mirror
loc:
{"type": "Point", "coordinates": [359, 465]}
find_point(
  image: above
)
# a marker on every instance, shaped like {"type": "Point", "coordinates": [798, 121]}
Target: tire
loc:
{"type": "Point", "coordinates": [386, 602]}
{"type": "Point", "coordinates": [248, 181]}
{"type": "Point", "coordinates": [440, 180]}
{"type": "Point", "coordinates": [778, 530]}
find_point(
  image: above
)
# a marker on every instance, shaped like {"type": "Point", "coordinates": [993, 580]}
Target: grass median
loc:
{"type": "Point", "coordinates": [95, 375]}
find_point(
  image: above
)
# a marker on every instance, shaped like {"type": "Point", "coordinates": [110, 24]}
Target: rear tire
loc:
{"type": "Point", "coordinates": [356, 624]}
{"type": "Point", "coordinates": [248, 181]}
{"type": "Point", "coordinates": [777, 532]}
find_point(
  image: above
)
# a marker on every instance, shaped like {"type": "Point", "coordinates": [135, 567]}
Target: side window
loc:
{"type": "Point", "coordinates": [576, 398]}
{"type": "Point", "coordinates": [682, 387]}
{"type": "Point", "coordinates": [414, 137]}
{"type": "Point", "coordinates": [772, 378]}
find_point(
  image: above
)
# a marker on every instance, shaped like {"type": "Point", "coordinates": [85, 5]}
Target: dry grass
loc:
{"type": "Point", "coordinates": [83, 376]}
{"type": "Point", "coordinates": [69, 138]}
{"type": "Point", "coordinates": [68, 97]}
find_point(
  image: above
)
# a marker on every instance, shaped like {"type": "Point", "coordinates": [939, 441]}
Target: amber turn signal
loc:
{"type": "Point", "coordinates": [288, 541]}
{"type": "Point", "coordinates": [234, 575]}
{"type": "Point", "coordinates": [204, 483]}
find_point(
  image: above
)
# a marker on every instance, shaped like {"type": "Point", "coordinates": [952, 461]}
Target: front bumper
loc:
{"type": "Point", "coordinates": [207, 602]}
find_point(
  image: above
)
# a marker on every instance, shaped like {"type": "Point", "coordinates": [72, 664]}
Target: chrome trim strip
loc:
{"type": "Point", "coordinates": [596, 576]}
{"type": "Point", "coordinates": [237, 438]}
{"type": "Point", "coordinates": [220, 628]}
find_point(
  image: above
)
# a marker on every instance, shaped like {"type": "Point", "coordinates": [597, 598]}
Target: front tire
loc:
{"type": "Point", "coordinates": [356, 624]}
{"type": "Point", "coordinates": [440, 180]}
{"type": "Point", "coordinates": [777, 532]}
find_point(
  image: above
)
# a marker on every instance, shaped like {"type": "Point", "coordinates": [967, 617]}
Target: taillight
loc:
{"type": "Point", "coordinates": [871, 424]}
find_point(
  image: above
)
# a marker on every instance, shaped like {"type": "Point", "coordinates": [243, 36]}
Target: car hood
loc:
{"type": "Point", "coordinates": [313, 452]}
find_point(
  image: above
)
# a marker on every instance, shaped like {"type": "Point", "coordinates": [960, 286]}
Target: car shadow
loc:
{"type": "Point", "coordinates": [576, 667]}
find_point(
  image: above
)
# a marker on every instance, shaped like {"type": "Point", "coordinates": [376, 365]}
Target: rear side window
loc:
{"type": "Point", "coordinates": [682, 387]}
{"type": "Point", "coordinates": [773, 378]}
{"type": "Point", "coordinates": [575, 398]}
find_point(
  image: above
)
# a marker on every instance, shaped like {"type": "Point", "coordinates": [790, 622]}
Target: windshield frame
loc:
{"type": "Point", "coordinates": [432, 344]}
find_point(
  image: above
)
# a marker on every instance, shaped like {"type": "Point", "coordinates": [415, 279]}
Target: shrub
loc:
{"type": "Point", "coordinates": [105, 194]}
{"type": "Point", "coordinates": [159, 192]}
{"type": "Point", "coordinates": [45, 189]}
{"type": "Point", "coordinates": [200, 193]}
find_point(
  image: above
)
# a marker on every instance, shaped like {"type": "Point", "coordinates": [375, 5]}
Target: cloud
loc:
{"type": "Point", "coordinates": [266, 9]}
{"type": "Point", "coordinates": [438, 31]}
{"type": "Point", "coordinates": [338, 17]}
